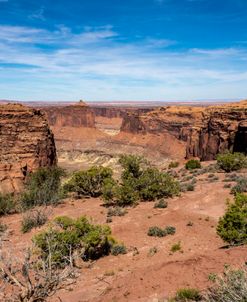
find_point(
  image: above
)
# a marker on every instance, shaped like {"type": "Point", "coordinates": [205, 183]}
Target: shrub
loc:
{"type": "Point", "coordinates": [139, 182]}
{"type": "Point", "coordinates": [193, 164]}
{"type": "Point", "coordinates": [190, 187]}
{"type": "Point", "coordinates": [231, 161]}
{"type": "Point", "coordinates": [7, 204]}
{"type": "Point", "coordinates": [117, 211]}
{"type": "Point", "coordinates": [156, 232]}
{"type": "Point", "coordinates": [118, 249]}
{"type": "Point", "coordinates": [231, 177]}
{"type": "Point", "coordinates": [241, 186]}
{"type": "Point", "coordinates": [43, 187]}
{"type": "Point", "coordinates": [161, 204]}
{"type": "Point", "coordinates": [67, 236]}
{"type": "Point", "coordinates": [232, 286]}
{"type": "Point", "coordinates": [109, 190]}
{"type": "Point", "coordinates": [170, 230]}
{"type": "Point", "coordinates": [33, 219]}
{"type": "Point", "coordinates": [173, 164]}
{"type": "Point", "coordinates": [188, 294]}
{"type": "Point", "coordinates": [232, 227]}
{"type": "Point", "coordinates": [153, 184]}
{"type": "Point", "coordinates": [90, 182]}
{"type": "Point", "coordinates": [132, 165]}
{"type": "Point", "coordinates": [152, 251]}
{"type": "Point", "coordinates": [176, 247]}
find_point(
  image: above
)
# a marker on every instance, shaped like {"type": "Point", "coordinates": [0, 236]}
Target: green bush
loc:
{"type": "Point", "coordinates": [161, 204]}
{"type": "Point", "coordinates": [193, 164]}
{"type": "Point", "coordinates": [188, 294]}
{"type": "Point", "coordinates": [67, 236]}
{"type": "Point", "coordinates": [232, 227]}
{"type": "Point", "coordinates": [153, 184]}
{"type": "Point", "coordinates": [176, 247]}
{"type": "Point", "coordinates": [231, 161]}
{"type": "Point", "coordinates": [132, 165]}
{"type": "Point", "coordinates": [116, 211]}
{"type": "Point", "coordinates": [241, 186]}
{"type": "Point", "coordinates": [118, 249]}
{"type": "Point", "coordinates": [156, 232]}
{"type": "Point", "coordinates": [33, 219]}
{"type": "Point", "coordinates": [173, 164]}
{"type": "Point", "coordinates": [230, 287]}
{"type": "Point", "coordinates": [42, 187]}
{"type": "Point", "coordinates": [125, 194]}
{"type": "Point", "coordinates": [7, 204]}
{"type": "Point", "coordinates": [91, 182]}
{"type": "Point", "coordinates": [170, 230]}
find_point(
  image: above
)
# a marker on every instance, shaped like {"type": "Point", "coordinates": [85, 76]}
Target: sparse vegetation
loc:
{"type": "Point", "coordinates": [118, 249]}
{"type": "Point", "coordinates": [229, 287]}
{"type": "Point", "coordinates": [231, 161]}
{"type": "Point", "coordinates": [161, 204]}
{"type": "Point", "coordinates": [188, 294]}
{"type": "Point", "coordinates": [176, 247]}
{"type": "Point", "coordinates": [7, 204]}
{"type": "Point", "coordinates": [232, 227]}
{"type": "Point", "coordinates": [158, 232]}
{"type": "Point", "coordinates": [170, 230]}
{"type": "Point", "coordinates": [152, 251]}
{"type": "Point", "coordinates": [33, 219]}
{"type": "Point", "coordinates": [116, 211]}
{"type": "Point", "coordinates": [42, 187]}
{"type": "Point", "coordinates": [173, 164]}
{"type": "Point", "coordinates": [67, 236]}
{"type": "Point", "coordinates": [193, 164]}
{"type": "Point", "coordinates": [240, 187]}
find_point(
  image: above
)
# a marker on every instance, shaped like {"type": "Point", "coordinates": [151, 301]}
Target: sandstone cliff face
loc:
{"type": "Point", "coordinates": [78, 115]}
{"type": "Point", "coordinates": [26, 143]}
{"type": "Point", "coordinates": [222, 128]}
{"type": "Point", "coordinates": [117, 112]}
{"type": "Point", "coordinates": [207, 131]}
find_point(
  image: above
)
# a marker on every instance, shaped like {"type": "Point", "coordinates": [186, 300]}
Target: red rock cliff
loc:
{"type": "Point", "coordinates": [26, 143]}
{"type": "Point", "coordinates": [206, 130]}
{"type": "Point", "coordinates": [78, 115]}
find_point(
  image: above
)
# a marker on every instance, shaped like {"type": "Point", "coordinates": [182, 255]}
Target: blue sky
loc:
{"type": "Point", "coordinates": [123, 49]}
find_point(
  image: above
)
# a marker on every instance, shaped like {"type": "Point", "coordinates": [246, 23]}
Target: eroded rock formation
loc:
{"type": "Point", "coordinates": [206, 131]}
{"type": "Point", "coordinates": [78, 115]}
{"type": "Point", "coordinates": [26, 143]}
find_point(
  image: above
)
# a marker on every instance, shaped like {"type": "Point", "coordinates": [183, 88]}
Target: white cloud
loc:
{"type": "Point", "coordinates": [96, 64]}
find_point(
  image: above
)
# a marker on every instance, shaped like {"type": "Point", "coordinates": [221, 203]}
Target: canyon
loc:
{"type": "Point", "coordinates": [158, 133]}
{"type": "Point", "coordinates": [26, 143]}
{"type": "Point", "coordinates": [93, 134]}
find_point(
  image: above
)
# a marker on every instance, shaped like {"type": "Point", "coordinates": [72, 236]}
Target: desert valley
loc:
{"type": "Point", "coordinates": [148, 263]}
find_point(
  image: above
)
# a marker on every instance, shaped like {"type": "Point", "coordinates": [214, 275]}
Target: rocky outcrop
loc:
{"type": "Point", "coordinates": [26, 143]}
{"type": "Point", "coordinates": [207, 131]}
{"type": "Point", "coordinates": [222, 128]}
{"type": "Point", "coordinates": [78, 115]}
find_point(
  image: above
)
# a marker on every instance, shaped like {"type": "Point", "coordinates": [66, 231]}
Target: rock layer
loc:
{"type": "Point", "coordinates": [78, 115]}
{"type": "Point", "coordinates": [206, 131]}
{"type": "Point", "coordinates": [26, 143]}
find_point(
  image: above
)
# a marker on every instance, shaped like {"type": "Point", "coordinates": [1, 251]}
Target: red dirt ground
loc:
{"type": "Point", "coordinates": [138, 276]}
